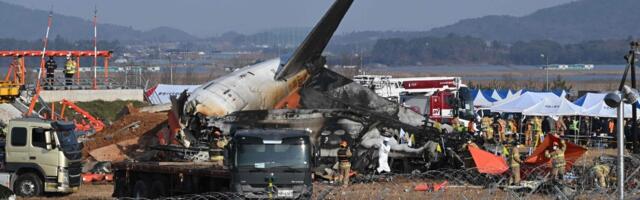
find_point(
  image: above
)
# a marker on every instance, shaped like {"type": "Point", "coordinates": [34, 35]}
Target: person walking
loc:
{"type": "Point", "coordinates": [558, 162]}
{"type": "Point", "coordinates": [383, 156]}
{"type": "Point", "coordinates": [514, 164]}
{"type": "Point", "coordinates": [344, 154]}
{"type": "Point", "coordinates": [69, 70]}
{"type": "Point", "coordinates": [50, 67]}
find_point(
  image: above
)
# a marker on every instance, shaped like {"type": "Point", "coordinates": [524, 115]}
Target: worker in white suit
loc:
{"type": "Point", "coordinates": [383, 156]}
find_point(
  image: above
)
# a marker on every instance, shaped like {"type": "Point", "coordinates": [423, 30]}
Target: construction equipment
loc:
{"type": "Point", "coordinates": [93, 124]}
{"type": "Point", "coordinates": [13, 82]}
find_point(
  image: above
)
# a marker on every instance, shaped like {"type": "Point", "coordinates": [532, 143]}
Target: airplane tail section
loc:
{"type": "Point", "coordinates": [309, 52]}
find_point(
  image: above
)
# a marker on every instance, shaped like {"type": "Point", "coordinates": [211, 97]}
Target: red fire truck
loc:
{"type": "Point", "coordinates": [440, 98]}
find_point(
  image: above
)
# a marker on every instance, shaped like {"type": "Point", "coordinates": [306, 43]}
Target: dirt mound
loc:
{"type": "Point", "coordinates": [128, 127]}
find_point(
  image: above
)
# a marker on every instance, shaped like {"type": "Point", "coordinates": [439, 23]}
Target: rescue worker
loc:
{"type": "Point", "coordinates": [383, 156]}
{"type": "Point", "coordinates": [50, 67]}
{"type": "Point", "coordinates": [471, 127]}
{"type": "Point", "coordinates": [560, 126]}
{"type": "Point", "coordinates": [537, 131]}
{"type": "Point", "coordinates": [600, 172]}
{"type": "Point", "coordinates": [437, 126]}
{"type": "Point", "coordinates": [344, 154]}
{"type": "Point", "coordinates": [557, 159]}
{"type": "Point", "coordinates": [513, 128]}
{"type": "Point", "coordinates": [612, 127]}
{"type": "Point", "coordinates": [69, 69]}
{"type": "Point", "coordinates": [485, 123]}
{"type": "Point", "coordinates": [496, 127]}
{"type": "Point", "coordinates": [221, 142]}
{"type": "Point", "coordinates": [574, 126]}
{"type": "Point", "coordinates": [455, 122]}
{"type": "Point", "coordinates": [514, 164]}
{"type": "Point", "coordinates": [503, 129]}
{"type": "Point", "coordinates": [527, 132]}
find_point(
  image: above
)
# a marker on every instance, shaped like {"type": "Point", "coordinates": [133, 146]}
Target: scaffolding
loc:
{"type": "Point", "coordinates": [95, 82]}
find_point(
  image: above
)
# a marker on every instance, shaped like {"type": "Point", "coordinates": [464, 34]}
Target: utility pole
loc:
{"type": "Point", "coordinates": [546, 69]}
{"type": "Point", "coordinates": [634, 115]}
{"type": "Point", "coordinates": [620, 124]}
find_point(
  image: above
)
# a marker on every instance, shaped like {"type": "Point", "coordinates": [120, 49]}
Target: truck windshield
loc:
{"type": "Point", "coordinates": [272, 155]}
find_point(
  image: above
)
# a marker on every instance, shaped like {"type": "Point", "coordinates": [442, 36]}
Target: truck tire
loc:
{"type": "Point", "coordinates": [140, 189]}
{"type": "Point", "coordinates": [28, 185]}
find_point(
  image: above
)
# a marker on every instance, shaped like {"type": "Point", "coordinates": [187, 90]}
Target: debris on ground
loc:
{"type": "Point", "coordinates": [125, 137]}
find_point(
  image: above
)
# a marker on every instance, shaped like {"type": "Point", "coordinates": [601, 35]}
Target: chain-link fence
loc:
{"type": "Point", "coordinates": [580, 182]}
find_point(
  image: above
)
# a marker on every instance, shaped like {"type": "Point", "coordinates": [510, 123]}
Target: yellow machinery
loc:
{"type": "Point", "coordinates": [8, 91]}
{"type": "Point", "coordinates": [13, 82]}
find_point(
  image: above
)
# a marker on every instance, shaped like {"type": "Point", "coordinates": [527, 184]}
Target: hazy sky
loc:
{"type": "Point", "coordinates": [211, 17]}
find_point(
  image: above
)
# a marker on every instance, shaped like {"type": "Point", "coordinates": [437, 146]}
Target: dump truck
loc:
{"type": "Point", "coordinates": [40, 156]}
{"type": "Point", "coordinates": [258, 163]}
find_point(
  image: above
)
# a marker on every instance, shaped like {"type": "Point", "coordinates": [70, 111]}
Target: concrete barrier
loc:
{"type": "Point", "coordinates": [92, 95]}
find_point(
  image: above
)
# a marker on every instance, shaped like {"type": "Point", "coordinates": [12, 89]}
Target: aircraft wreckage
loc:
{"type": "Point", "coordinates": [298, 92]}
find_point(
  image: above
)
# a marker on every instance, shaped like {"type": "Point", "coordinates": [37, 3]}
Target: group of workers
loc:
{"type": "Point", "coordinates": [70, 69]}
{"type": "Point", "coordinates": [344, 156]}
{"type": "Point", "coordinates": [555, 154]}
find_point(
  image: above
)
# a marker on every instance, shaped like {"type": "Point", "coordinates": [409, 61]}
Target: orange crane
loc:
{"type": "Point", "coordinates": [94, 123]}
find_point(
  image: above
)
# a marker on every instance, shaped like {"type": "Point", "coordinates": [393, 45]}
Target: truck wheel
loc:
{"type": "Point", "coordinates": [28, 185]}
{"type": "Point", "coordinates": [140, 189]}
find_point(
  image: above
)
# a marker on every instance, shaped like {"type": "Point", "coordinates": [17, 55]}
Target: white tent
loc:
{"type": "Point", "coordinates": [524, 101]}
{"type": "Point", "coordinates": [160, 93]}
{"type": "Point", "coordinates": [512, 94]}
{"type": "Point", "coordinates": [495, 95]}
{"type": "Point", "coordinates": [602, 110]}
{"type": "Point", "coordinates": [590, 99]}
{"type": "Point", "coordinates": [481, 101]}
{"type": "Point", "coordinates": [519, 104]}
{"type": "Point", "coordinates": [549, 107]}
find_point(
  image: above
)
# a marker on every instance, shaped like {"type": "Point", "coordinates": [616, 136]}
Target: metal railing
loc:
{"type": "Point", "coordinates": [101, 83]}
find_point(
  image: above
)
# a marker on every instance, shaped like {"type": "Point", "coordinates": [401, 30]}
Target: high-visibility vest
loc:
{"type": "Point", "coordinates": [574, 125]}
{"type": "Point", "coordinates": [70, 67]}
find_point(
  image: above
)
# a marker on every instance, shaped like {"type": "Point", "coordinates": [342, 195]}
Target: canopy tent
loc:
{"type": "Point", "coordinates": [500, 94]}
{"type": "Point", "coordinates": [511, 94]}
{"type": "Point", "coordinates": [549, 107]}
{"type": "Point", "coordinates": [560, 93]}
{"type": "Point", "coordinates": [160, 93]}
{"type": "Point", "coordinates": [521, 103]}
{"type": "Point", "coordinates": [480, 100]}
{"type": "Point", "coordinates": [602, 110]}
{"type": "Point", "coordinates": [589, 100]}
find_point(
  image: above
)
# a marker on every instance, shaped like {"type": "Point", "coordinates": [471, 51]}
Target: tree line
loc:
{"type": "Point", "coordinates": [454, 49]}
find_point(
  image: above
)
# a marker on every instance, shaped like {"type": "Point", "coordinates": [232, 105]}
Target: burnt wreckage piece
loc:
{"type": "Point", "coordinates": [334, 108]}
